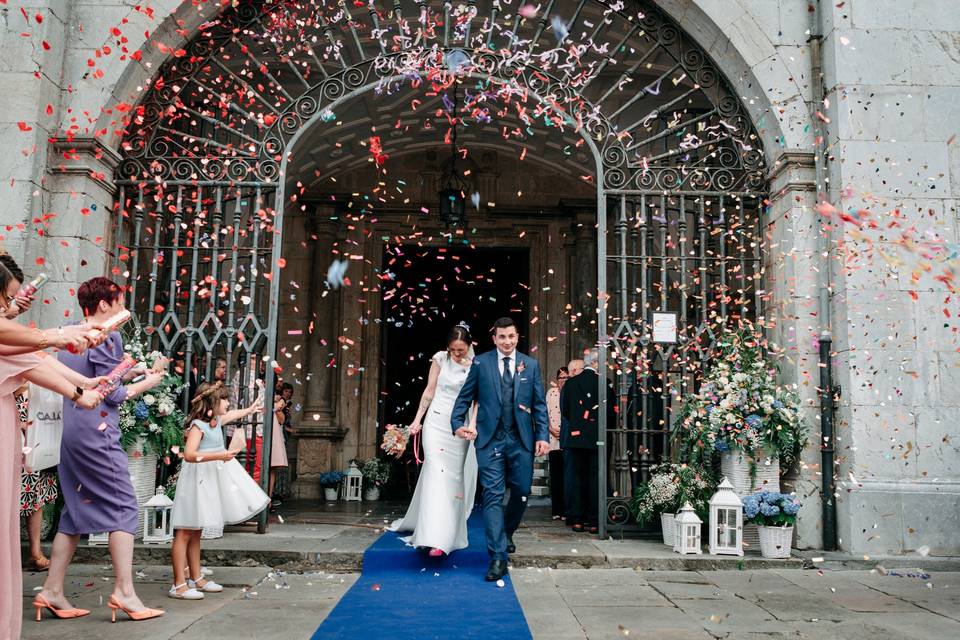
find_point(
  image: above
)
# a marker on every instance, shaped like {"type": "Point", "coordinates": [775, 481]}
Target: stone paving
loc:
{"type": "Point", "coordinates": [560, 604]}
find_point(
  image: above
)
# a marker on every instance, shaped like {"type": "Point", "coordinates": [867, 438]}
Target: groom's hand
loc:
{"type": "Point", "coordinates": [542, 448]}
{"type": "Point", "coordinates": [467, 433]}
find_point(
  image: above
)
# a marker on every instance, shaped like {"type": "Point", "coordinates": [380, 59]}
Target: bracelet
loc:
{"type": "Point", "coordinates": [44, 341]}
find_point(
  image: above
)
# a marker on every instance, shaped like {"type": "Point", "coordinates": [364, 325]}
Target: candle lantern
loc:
{"type": "Point", "coordinates": [353, 484]}
{"type": "Point", "coordinates": [687, 531]}
{"type": "Point", "coordinates": [726, 521]}
{"type": "Point", "coordinates": [157, 528]}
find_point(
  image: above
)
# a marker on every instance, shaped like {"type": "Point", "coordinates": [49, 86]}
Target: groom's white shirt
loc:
{"type": "Point", "coordinates": [512, 359]}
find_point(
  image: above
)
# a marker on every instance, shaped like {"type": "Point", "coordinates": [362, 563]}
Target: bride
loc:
{"type": "Point", "coordinates": [443, 499]}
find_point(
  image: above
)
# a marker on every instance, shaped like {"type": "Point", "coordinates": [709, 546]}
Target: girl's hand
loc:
{"type": "Point", "coordinates": [89, 399]}
{"type": "Point", "coordinates": [415, 428]}
{"type": "Point", "coordinates": [256, 407]}
{"type": "Point", "coordinates": [229, 455]}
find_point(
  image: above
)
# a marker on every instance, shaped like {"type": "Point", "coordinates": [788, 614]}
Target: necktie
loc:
{"type": "Point", "coordinates": [507, 376]}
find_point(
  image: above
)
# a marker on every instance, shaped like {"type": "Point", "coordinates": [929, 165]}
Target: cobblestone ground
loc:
{"type": "Point", "coordinates": [559, 604]}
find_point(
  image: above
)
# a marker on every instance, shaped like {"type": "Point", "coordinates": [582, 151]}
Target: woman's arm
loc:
{"type": "Point", "coordinates": [474, 410]}
{"type": "Point", "coordinates": [47, 377]}
{"type": "Point", "coordinates": [74, 377]}
{"type": "Point", "coordinates": [426, 398]}
{"type": "Point", "coordinates": [78, 337]}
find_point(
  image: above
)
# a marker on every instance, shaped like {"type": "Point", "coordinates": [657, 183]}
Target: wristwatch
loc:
{"type": "Point", "coordinates": [77, 394]}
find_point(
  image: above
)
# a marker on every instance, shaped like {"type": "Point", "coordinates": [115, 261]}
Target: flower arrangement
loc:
{"type": "Point", "coordinates": [669, 487]}
{"type": "Point", "coordinates": [331, 478]}
{"type": "Point", "coordinates": [771, 509]}
{"type": "Point", "coordinates": [153, 416]}
{"type": "Point", "coordinates": [395, 440]}
{"type": "Point", "coordinates": [375, 471]}
{"type": "Point", "coordinates": [740, 406]}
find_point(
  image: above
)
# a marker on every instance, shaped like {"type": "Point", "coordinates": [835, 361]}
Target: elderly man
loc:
{"type": "Point", "coordinates": [580, 409]}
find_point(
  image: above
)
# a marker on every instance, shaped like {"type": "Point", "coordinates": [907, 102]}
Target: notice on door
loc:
{"type": "Point", "coordinates": [664, 327]}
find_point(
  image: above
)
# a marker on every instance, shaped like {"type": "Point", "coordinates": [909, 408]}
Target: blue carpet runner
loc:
{"type": "Point", "coordinates": [403, 593]}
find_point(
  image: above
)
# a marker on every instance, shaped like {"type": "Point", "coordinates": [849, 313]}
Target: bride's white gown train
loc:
{"type": "Point", "coordinates": [443, 499]}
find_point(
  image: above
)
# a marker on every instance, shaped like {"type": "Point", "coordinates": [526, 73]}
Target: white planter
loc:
{"type": "Point", "coordinates": [330, 494]}
{"type": "Point", "coordinates": [143, 476]}
{"type": "Point", "coordinates": [775, 542]}
{"type": "Point", "coordinates": [735, 466]}
{"type": "Point", "coordinates": [372, 494]}
{"type": "Point", "coordinates": [667, 526]}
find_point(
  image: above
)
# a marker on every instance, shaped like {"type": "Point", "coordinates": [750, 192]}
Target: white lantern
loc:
{"type": "Point", "coordinates": [157, 528]}
{"type": "Point", "coordinates": [687, 531]}
{"type": "Point", "coordinates": [353, 484]}
{"type": "Point", "coordinates": [726, 521]}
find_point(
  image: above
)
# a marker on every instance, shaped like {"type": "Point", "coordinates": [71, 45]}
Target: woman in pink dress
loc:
{"type": "Point", "coordinates": [19, 364]}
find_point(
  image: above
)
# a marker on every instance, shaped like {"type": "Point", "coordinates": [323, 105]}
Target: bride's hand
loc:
{"type": "Point", "coordinates": [415, 428]}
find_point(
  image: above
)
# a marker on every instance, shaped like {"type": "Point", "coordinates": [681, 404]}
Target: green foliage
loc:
{"type": "Point", "coordinates": [670, 486]}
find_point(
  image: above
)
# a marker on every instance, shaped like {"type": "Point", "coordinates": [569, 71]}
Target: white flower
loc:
{"type": "Point", "coordinates": [154, 427]}
{"type": "Point", "coordinates": [165, 407]}
{"type": "Point", "coordinates": [149, 399]}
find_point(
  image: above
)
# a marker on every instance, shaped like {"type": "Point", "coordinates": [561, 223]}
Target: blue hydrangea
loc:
{"type": "Point", "coordinates": [791, 507]}
{"type": "Point", "coordinates": [768, 509]}
{"type": "Point", "coordinates": [750, 506]}
{"type": "Point", "coordinates": [754, 420]}
{"type": "Point", "coordinates": [777, 404]}
{"type": "Point", "coordinates": [721, 445]}
{"type": "Point", "coordinates": [141, 411]}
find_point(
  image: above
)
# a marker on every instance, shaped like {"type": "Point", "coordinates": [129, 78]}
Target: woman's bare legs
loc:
{"type": "Point", "coordinates": [60, 556]}
{"type": "Point", "coordinates": [121, 551]}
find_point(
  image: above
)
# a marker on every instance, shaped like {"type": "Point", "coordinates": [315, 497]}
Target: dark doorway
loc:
{"type": "Point", "coordinates": [426, 291]}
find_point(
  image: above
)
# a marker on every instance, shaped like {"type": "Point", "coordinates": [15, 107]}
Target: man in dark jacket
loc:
{"type": "Point", "coordinates": [580, 408]}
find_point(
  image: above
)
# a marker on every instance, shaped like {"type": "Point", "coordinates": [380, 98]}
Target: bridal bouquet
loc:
{"type": "Point", "coordinates": [395, 440]}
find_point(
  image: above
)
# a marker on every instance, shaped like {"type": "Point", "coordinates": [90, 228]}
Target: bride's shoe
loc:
{"type": "Point", "coordinates": [435, 553]}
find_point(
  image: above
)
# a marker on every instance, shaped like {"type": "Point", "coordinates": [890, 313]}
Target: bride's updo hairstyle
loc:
{"type": "Point", "coordinates": [459, 332]}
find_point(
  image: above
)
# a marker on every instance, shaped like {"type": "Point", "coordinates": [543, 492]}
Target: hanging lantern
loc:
{"type": "Point", "coordinates": [157, 528]}
{"type": "Point", "coordinates": [726, 521]}
{"type": "Point", "coordinates": [353, 484]}
{"type": "Point", "coordinates": [687, 531]}
{"type": "Point", "coordinates": [453, 188]}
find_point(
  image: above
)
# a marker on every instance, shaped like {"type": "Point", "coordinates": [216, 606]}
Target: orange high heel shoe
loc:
{"type": "Point", "coordinates": [144, 614]}
{"type": "Point", "coordinates": [40, 603]}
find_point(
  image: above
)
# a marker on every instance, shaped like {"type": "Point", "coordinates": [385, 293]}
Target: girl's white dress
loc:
{"type": "Point", "coordinates": [443, 499]}
{"type": "Point", "coordinates": [212, 494]}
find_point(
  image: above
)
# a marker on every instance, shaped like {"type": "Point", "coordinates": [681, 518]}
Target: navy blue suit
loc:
{"type": "Point", "coordinates": [510, 419]}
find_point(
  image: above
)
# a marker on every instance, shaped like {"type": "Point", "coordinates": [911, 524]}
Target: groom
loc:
{"type": "Point", "coordinates": [511, 429]}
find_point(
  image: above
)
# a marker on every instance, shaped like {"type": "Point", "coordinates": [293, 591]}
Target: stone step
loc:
{"type": "Point", "coordinates": [539, 490]}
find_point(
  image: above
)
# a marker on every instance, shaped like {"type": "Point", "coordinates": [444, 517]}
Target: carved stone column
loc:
{"type": "Point", "coordinates": [318, 430]}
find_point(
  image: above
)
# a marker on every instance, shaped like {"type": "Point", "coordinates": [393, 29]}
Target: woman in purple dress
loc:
{"type": "Point", "coordinates": [95, 480]}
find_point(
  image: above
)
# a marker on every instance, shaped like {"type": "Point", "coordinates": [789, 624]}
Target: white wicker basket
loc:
{"type": "Point", "coordinates": [667, 525]}
{"type": "Point", "coordinates": [775, 542]}
{"type": "Point", "coordinates": [143, 476]}
{"type": "Point", "coordinates": [211, 533]}
{"type": "Point", "coordinates": [735, 466]}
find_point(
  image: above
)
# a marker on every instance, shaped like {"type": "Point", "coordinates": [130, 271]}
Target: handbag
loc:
{"type": "Point", "coordinates": [44, 434]}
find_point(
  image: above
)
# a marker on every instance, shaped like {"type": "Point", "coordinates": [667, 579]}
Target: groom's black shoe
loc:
{"type": "Point", "coordinates": [498, 569]}
{"type": "Point", "coordinates": [511, 548]}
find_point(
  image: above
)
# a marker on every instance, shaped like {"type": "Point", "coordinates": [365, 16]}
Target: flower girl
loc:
{"type": "Point", "coordinates": [212, 490]}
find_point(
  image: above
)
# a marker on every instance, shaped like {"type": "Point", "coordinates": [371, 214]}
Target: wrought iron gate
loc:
{"type": "Point", "coordinates": [676, 163]}
{"type": "Point", "coordinates": [694, 256]}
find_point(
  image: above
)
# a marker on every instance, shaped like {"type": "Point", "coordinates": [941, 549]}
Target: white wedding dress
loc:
{"type": "Point", "coordinates": [443, 499]}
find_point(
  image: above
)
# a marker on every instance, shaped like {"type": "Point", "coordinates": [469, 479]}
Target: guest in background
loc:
{"type": "Point", "coordinates": [220, 371]}
{"type": "Point", "coordinates": [99, 495]}
{"type": "Point", "coordinates": [574, 367]}
{"type": "Point", "coordinates": [278, 449]}
{"type": "Point", "coordinates": [580, 408]}
{"type": "Point", "coordinates": [557, 506]}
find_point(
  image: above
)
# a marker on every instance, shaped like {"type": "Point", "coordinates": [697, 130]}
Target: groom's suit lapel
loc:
{"type": "Point", "coordinates": [496, 375]}
{"type": "Point", "coordinates": [516, 376]}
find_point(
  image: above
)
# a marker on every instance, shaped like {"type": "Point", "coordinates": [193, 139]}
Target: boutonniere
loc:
{"type": "Point", "coordinates": [521, 367]}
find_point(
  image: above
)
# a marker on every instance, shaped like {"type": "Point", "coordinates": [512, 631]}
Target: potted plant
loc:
{"type": "Point", "coordinates": [151, 425]}
{"type": "Point", "coordinates": [330, 482]}
{"type": "Point", "coordinates": [743, 416]}
{"type": "Point", "coordinates": [375, 472]}
{"type": "Point", "coordinates": [774, 514]}
{"type": "Point", "coordinates": [669, 488]}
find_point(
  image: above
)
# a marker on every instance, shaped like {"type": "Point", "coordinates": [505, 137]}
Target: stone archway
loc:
{"type": "Point", "coordinates": [673, 153]}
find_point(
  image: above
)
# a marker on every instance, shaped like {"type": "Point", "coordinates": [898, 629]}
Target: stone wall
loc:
{"type": "Point", "coordinates": [891, 72]}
